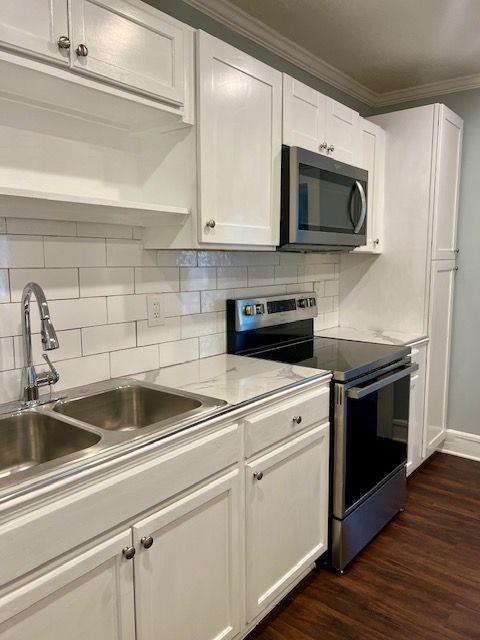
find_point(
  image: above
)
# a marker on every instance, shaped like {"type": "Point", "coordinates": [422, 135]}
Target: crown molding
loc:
{"type": "Point", "coordinates": [429, 90]}
{"type": "Point", "coordinates": [246, 25]}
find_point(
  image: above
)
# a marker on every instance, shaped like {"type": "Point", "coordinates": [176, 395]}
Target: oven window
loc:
{"type": "Point", "coordinates": [376, 438]}
{"type": "Point", "coordinates": [327, 201]}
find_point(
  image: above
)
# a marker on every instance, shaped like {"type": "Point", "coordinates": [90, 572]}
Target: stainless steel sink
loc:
{"type": "Point", "coordinates": [130, 407]}
{"type": "Point", "coordinates": [30, 439]}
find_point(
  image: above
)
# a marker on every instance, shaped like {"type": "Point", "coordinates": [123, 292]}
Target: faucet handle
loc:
{"type": "Point", "coordinates": [53, 376]}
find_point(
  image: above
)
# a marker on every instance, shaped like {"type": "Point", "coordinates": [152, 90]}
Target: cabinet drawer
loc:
{"type": "Point", "coordinates": [283, 420]}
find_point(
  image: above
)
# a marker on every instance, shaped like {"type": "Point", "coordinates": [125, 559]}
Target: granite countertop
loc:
{"type": "Point", "coordinates": [380, 336]}
{"type": "Point", "coordinates": [235, 379]}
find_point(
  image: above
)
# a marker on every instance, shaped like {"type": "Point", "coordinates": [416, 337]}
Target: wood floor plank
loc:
{"type": "Point", "coordinates": [418, 580]}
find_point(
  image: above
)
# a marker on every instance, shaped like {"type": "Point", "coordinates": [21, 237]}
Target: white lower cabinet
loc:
{"type": "Point", "coordinates": [416, 419]}
{"type": "Point", "coordinates": [286, 515]}
{"type": "Point", "coordinates": [89, 597]}
{"type": "Point", "coordinates": [187, 583]}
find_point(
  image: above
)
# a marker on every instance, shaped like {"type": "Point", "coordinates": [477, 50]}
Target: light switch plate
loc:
{"type": "Point", "coordinates": [154, 310]}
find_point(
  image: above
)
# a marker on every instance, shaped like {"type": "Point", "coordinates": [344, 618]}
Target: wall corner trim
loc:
{"type": "Point", "coordinates": [462, 444]}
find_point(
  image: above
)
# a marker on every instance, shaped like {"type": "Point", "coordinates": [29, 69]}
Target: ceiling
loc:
{"type": "Point", "coordinates": [383, 45]}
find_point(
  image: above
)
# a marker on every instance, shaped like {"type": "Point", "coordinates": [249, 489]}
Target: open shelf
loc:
{"type": "Point", "coordinates": [39, 204]}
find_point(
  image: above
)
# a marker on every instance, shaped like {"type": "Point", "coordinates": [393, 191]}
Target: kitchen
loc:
{"type": "Point", "coordinates": [237, 329]}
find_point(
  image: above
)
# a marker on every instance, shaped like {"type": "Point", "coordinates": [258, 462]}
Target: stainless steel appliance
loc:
{"type": "Point", "coordinates": [370, 393]}
{"type": "Point", "coordinates": [323, 204]}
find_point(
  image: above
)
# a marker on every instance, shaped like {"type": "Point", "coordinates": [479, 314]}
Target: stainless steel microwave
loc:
{"type": "Point", "coordinates": [323, 204]}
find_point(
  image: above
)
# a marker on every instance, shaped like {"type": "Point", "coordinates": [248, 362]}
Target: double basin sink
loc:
{"type": "Point", "coordinates": [47, 438]}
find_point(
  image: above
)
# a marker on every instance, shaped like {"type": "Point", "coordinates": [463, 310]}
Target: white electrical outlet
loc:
{"type": "Point", "coordinates": [154, 311]}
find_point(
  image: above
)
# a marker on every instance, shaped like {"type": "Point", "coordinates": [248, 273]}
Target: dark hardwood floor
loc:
{"type": "Point", "coordinates": [418, 580]}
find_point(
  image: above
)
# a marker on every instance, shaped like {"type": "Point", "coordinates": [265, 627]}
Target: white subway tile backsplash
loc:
{"type": "Point", "coordinates": [77, 313]}
{"type": "Point", "coordinates": [57, 283]}
{"type": "Point", "coordinates": [41, 227]}
{"type": "Point", "coordinates": [75, 252]}
{"type": "Point", "coordinates": [105, 332]}
{"type": "Point", "coordinates": [7, 360]}
{"type": "Point", "coordinates": [97, 230]}
{"type": "Point", "coordinates": [70, 342]}
{"type": "Point", "coordinates": [231, 277]}
{"type": "Point", "coordinates": [173, 258]}
{"type": "Point", "coordinates": [4, 286]}
{"type": "Point", "coordinates": [198, 278]}
{"type": "Point", "coordinates": [215, 300]}
{"type": "Point", "coordinates": [166, 332]}
{"type": "Point", "coordinates": [129, 253]}
{"type": "Point", "coordinates": [21, 251]}
{"type": "Point", "coordinates": [10, 385]}
{"type": "Point", "coordinates": [180, 304]}
{"type": "Point", "coordinates": [156, 279]}
{"type": "Point", "coordinates": [201, 324]}
{"type": "Point", "coordinates": [106, 281]}
{"type": "Point", "coordinates": [80, 371]}
{"type": "Point", "coordinates": [127, 308]}
{"type": "Point", "coordinates": [177, 352]}
{"type": "Point", "coordinates": [260, 276]}
{"type": "Point", "coordinates": [212, 345]}
{"type": "Point", "coordinates": [108, 337]}
{"type": "Point", "coordinates": [137, 360]}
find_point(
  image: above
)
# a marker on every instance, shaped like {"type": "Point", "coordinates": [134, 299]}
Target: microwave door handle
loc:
{"type": "Point", "coordinates": [363, 211]}
{"type": "Point", "coordinates": [355, 393]}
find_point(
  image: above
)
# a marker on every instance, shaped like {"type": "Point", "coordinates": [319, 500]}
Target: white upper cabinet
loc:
{"type": "Point", "coordinates": [315, 122]}
{"type": "Point", "coordinates": [239, 146]}
{"type": "Point", "coordinates": [304, 116]}
{"type": "Point", "coordinates": [447, 184]}
{"type": "Point", "coordinates": [35, 28]}
{"type": "Point", "coordinates": [372, 158]}
{"type": "Point", "coordinates": [442, 282]}
{"type": "Point", "coordinates": [187, 566]}
{"type": "Point", "coordinates": [343, 133]}
{"type": "Point", "coordinates": [135, 47]}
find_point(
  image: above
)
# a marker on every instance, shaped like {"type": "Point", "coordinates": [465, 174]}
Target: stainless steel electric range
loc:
{"type": "Point", "coordinates": [369, 410]}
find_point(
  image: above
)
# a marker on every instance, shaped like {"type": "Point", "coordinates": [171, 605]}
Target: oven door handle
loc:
{"type": "Point", "coordinates": [355, 393]}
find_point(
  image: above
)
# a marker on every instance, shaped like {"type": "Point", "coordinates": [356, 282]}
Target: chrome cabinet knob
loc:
{"type": "Point", "coordinates": [297, 419]}
{"type": "Point", "coordinates": [456, 268]}
{"type": "Point", "coordinates": [457, 250]}
{"type": "Point", "coordinates": [128, 552]}
{"type": "Point", "coordinates": [258, 475]}
{"type": "Point", "coordinates": [377, 241]}
{"type": "Point", "coordinates": [331, 148]}
{"type": "Point", "coordinates": [211, 224]}
{"type": "Point", "coordinates": [323, 146]}
{"type": "Point", "coordinates": [147, 542]}
{"type": "Point", "coordinates": [64, 42]}
{"type": "Point", "coordinates": [82, 50]}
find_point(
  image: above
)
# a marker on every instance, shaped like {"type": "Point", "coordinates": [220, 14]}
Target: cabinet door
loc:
{"type": "Point", "coordinates": [438, 365]}
{"type": "Point", "coordinates": [372, 158]}
{"type": "Point", "coordinates": [447, 184]}
{"type": "Point", "coordinates": [35, 27]}
{"type": "Point", "coordinates": [239, 146]}
{"type": "Point", "coordinates": [343, 133]}
{"type": "Point", "coordinates": [417, 409]}
{"type": "Point", "coordinates": [286, 515]}
{"type": "Point", "coordinates": [136, 48]}
{"type": "Point", "coordinates": [187, 584]}
{"type": "Point", "coordinates": [304, 116]}
{"type": "Point", "coordinates": [88, 597]}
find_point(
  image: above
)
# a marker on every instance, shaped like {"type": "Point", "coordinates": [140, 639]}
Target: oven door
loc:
{"type": "Point", "coordinates": [371, 433]}
{"type": "Point", "coordinates": [328, 201]}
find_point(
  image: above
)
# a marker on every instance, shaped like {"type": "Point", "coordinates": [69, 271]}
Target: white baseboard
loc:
{"type": "Point", "coordinates": [461, 443]}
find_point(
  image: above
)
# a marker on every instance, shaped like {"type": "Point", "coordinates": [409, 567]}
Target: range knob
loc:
{"type": "Point", "coordinates": [313, 302]}
{"type": "Point", "coordinates": [303, 303]}
{"type": "Point", "coordinates": [249, 310]}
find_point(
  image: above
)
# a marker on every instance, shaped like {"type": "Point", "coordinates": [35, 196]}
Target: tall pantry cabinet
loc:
{"type": "Point", "coordinates": [410, 287]}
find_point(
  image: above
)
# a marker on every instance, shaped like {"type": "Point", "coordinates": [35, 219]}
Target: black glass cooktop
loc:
{"type": "Point", "coordinates": [347, 359]}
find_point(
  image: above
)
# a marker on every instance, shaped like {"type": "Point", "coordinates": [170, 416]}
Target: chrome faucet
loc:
{"type": "Point", "coordinates": [31, 380]}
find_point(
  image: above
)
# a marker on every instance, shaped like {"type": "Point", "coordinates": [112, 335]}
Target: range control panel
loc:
{"type": "Point", "coordinates": [264, 312]}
